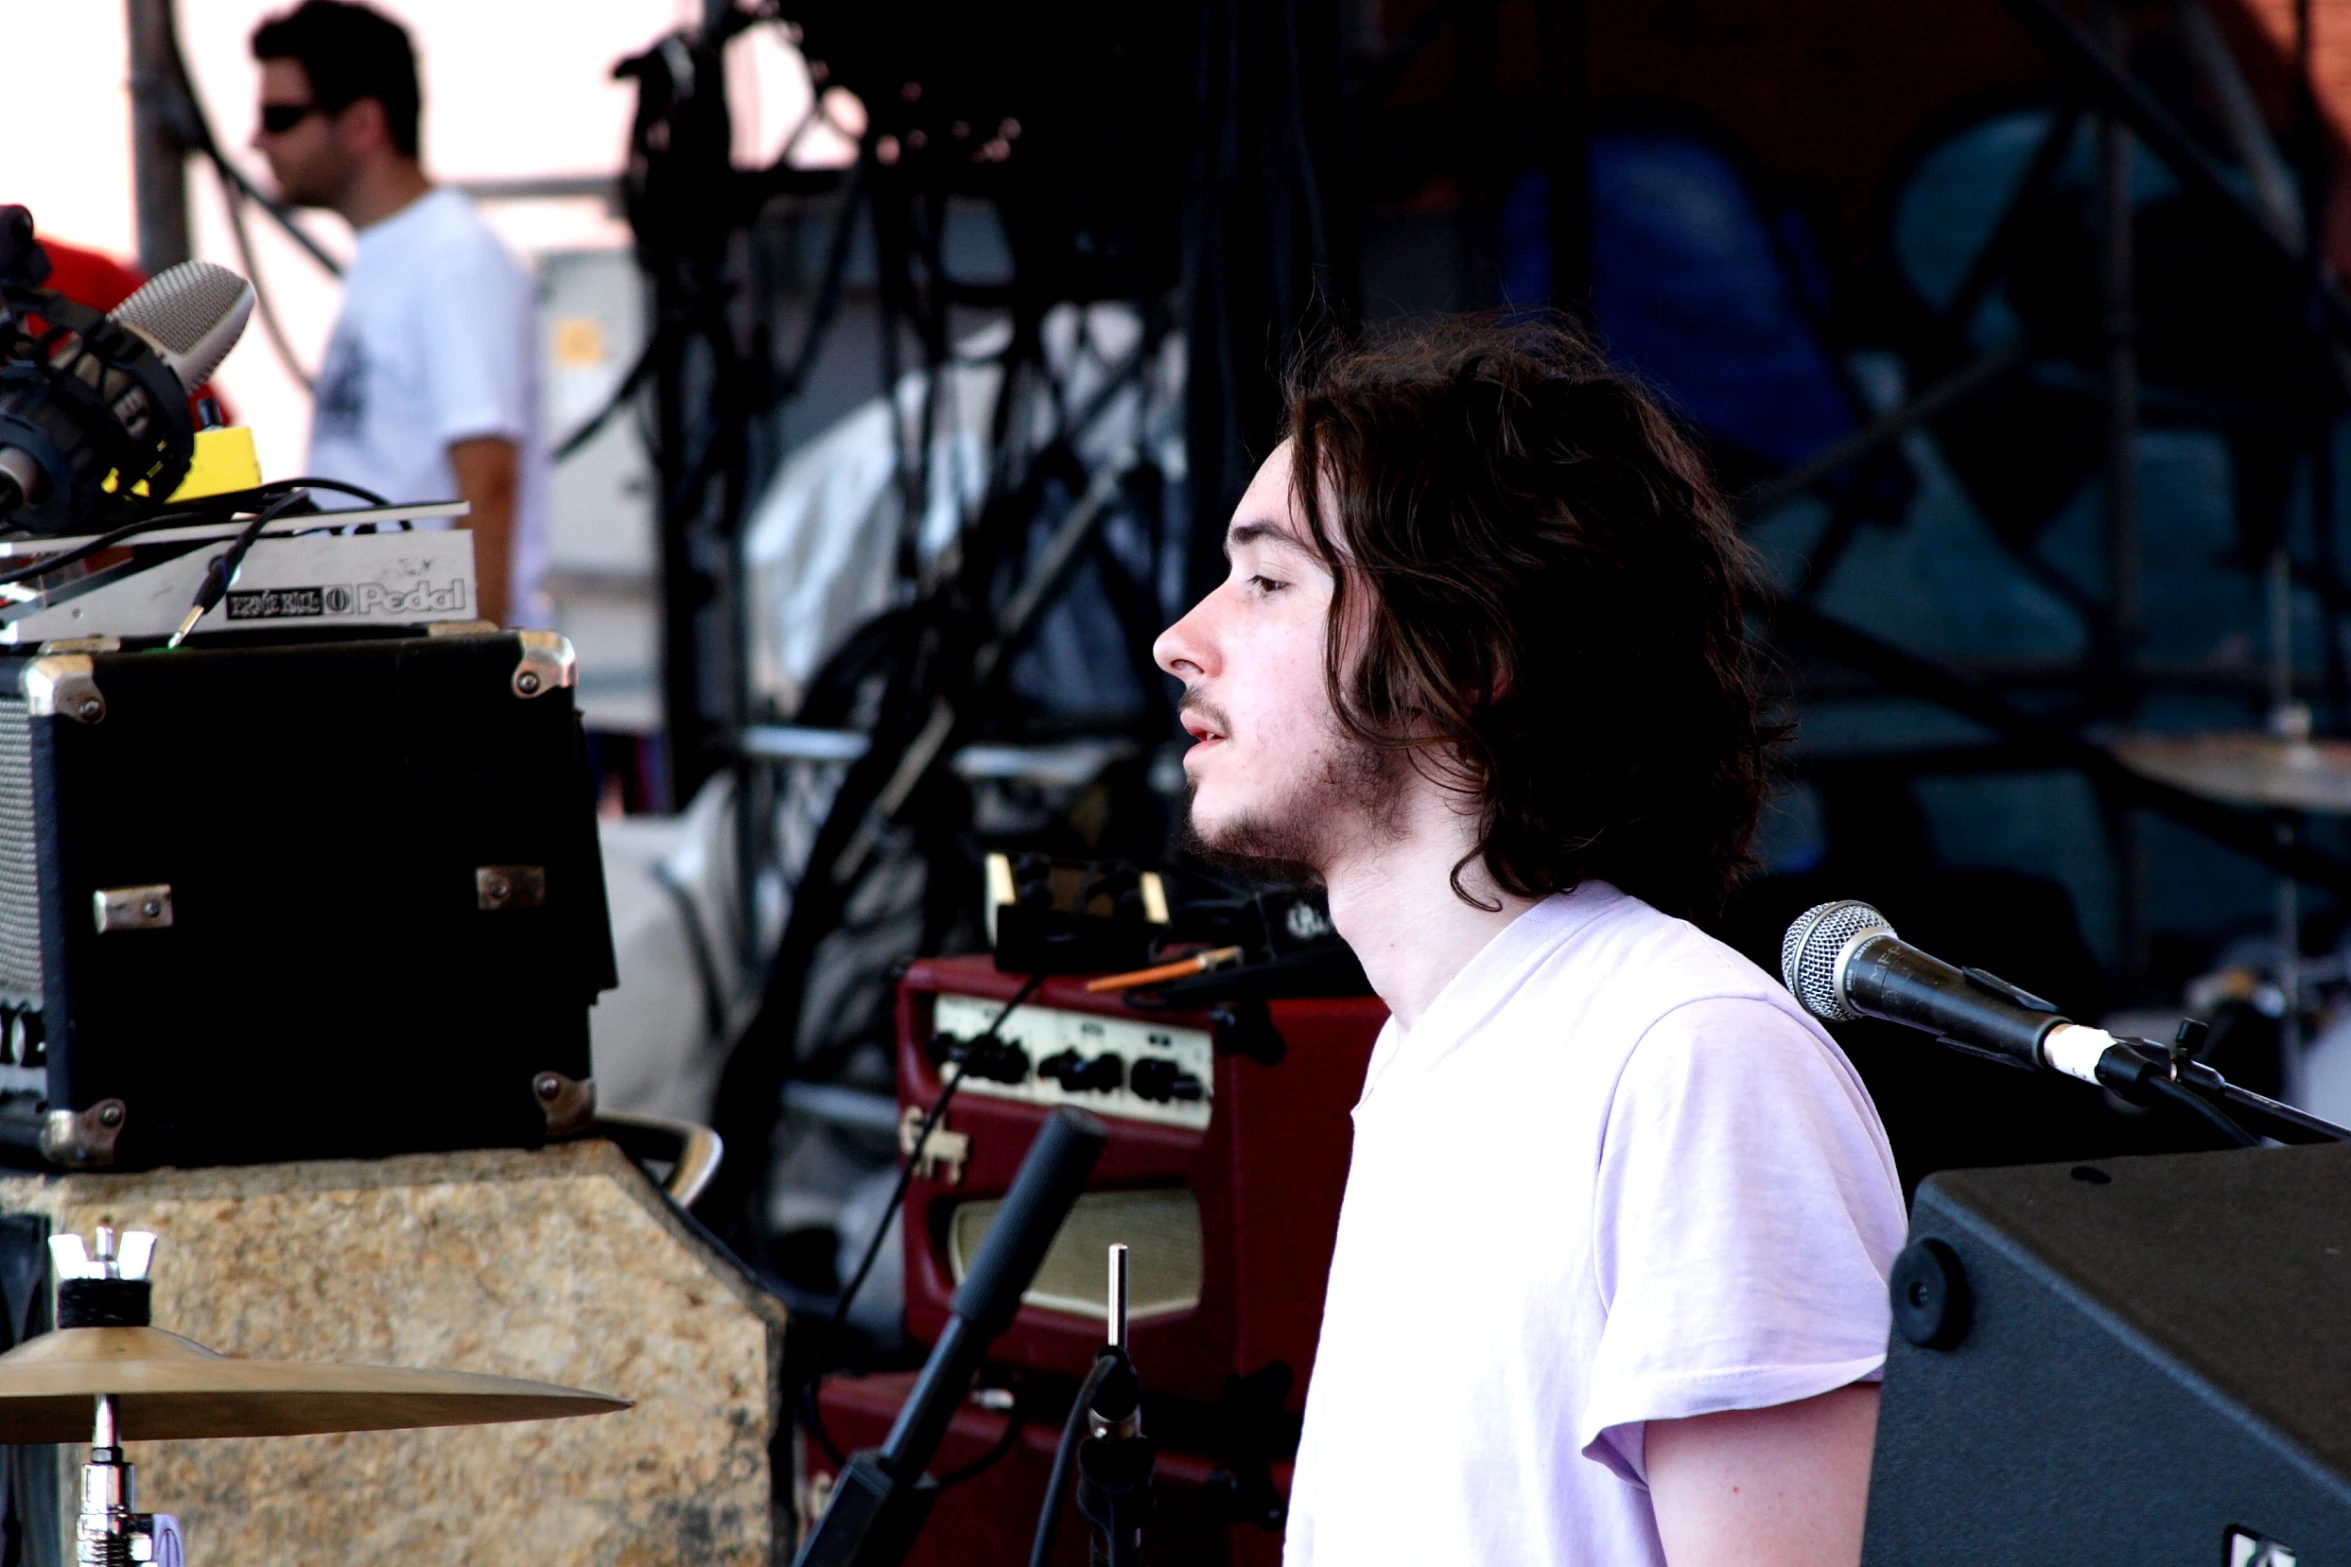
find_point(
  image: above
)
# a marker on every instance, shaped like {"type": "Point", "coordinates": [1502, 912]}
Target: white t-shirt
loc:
{"type": "Point", "coordinates": [1613, 1175]}
{"type": "Point", "coordinates": [437, 342]}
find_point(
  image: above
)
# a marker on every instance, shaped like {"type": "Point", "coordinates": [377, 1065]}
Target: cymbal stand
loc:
{"type": "Point", "coordinates": [109, 1533]}
{"type": "Point", "coordinates": [2289, 720]}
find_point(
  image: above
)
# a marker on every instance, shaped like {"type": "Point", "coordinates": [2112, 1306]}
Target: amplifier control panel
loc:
{"type": "Point", "coordinates": [1129, 1067]}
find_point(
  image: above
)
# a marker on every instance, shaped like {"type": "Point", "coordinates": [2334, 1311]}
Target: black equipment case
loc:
{"type": "Point", "coordinates": [336, 899]}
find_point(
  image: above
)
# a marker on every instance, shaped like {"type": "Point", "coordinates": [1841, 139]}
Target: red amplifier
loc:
{"type": "Point", "coordinates": [1223, 1173]}
{"type": "Point", "coordinates": [991, 1517]}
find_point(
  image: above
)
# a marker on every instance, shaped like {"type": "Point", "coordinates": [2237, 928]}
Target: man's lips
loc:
{"type": "Point", "coordinates": [1202, 723]}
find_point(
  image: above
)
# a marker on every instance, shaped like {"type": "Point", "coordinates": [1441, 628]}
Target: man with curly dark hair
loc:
{"type": "Point", "coordinates": [1610, 1278]}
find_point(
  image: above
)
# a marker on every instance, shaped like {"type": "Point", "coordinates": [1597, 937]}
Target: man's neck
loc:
{"type": "Point", "coordinates": [1393, 901]}
{"type": "Point", "coordinates": [382, 190]}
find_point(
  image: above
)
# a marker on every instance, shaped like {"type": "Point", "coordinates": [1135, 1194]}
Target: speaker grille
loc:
{"type": "Point", "coordinates": [1161, 1227]}
{"type": "Point", "coordinates": [20, 874]}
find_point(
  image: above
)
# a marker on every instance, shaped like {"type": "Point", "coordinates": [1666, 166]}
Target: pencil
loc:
{"type": "Point", "coordinates": [1197, 963]}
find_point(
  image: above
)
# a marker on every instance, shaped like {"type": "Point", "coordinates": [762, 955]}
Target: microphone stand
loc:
{"type": "Point", "coordinates": [1115, 1464]}
{"type": "Point", "coordinates": [883, 1497]}
{"type": "Point", "coordinates": [2175, 1065]}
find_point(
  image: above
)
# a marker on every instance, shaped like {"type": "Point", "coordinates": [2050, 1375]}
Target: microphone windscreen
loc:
{"type": "Point", "coordinates": [193, 314]}
{"type": "Point", "coordinates": [1808, 954]}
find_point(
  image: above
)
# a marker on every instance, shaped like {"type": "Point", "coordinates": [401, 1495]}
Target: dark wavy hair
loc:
{"type": "Point", "coordinates": [1554, 621]}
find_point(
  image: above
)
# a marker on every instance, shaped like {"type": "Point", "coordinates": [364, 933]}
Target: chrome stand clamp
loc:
{"type": "Point", "coordinates": [95, 1290]}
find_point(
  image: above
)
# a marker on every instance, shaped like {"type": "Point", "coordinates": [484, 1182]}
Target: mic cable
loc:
{"type": "Point", "coordinates": [222, 569]}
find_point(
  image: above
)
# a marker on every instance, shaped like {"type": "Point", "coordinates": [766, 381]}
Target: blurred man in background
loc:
{"type": "Point", "coordinates": [430, 385]}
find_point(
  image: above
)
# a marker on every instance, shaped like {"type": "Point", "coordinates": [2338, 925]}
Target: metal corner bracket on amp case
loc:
{"type": "Point", "coordinates": [1842, 961]}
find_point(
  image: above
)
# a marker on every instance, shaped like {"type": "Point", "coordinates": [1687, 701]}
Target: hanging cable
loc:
{"type": "Point", "coordinates": [221, 570]}
{"type": "Point", "coordinates": [811, 1414]}
{"type": "Point", "coordinates": [236, 190]}
{"type": "Point", "coordinates": [198, 132]}
{"type": "Point", "coordinates": [264, 305]}
{"type": "Point", "coordinates": [1073, 1431]}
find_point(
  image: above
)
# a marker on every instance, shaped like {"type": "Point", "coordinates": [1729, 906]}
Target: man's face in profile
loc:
{"type": "Point", "coordinates": [1276, 785]}
{"type": "Point", "coordinates": [306, 152]}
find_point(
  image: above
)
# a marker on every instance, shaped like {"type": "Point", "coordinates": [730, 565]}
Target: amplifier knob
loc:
{"type": "Point", "coordinates": [995, 1060]}
{"type": "Point", "coordinates": [1162, 1082]}
{"type": "Point", "coordinates": [1101, 1075]}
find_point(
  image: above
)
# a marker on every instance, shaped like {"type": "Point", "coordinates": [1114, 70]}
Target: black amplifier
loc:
{"type": "Point", "coordinates": [324, 900]}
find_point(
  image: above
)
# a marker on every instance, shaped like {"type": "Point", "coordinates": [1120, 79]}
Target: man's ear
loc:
{"type": "Point", "coordinates": [1499, 659]}
{"type": "Point", "coordinates": [363, 126]}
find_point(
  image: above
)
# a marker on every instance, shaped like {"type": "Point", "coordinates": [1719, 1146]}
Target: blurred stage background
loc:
{"type": "Point", "coordinates": [933, 349]}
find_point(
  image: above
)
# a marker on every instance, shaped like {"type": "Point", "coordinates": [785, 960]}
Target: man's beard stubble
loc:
{"type": "Point", "coordinates": [1348, 800]}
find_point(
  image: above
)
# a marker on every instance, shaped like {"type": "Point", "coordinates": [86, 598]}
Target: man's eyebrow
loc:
{"type": "Point", "coordinates": [1259, 532]}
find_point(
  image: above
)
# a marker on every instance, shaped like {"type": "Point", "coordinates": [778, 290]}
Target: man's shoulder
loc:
{"type": "Point", "coordinates": [1630, 954]}
{"type": "Point", "coordinates": [1628, 980]}
{"type": "Point", "coordinates": [439, 233]}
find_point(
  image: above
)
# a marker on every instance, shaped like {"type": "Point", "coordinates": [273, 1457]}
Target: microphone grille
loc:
{"type": "Point", "coordinates": [1808, 954]}
{"type": "Point", "coordinates": [193, 313]}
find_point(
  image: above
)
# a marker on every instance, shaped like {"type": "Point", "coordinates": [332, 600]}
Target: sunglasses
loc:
{"type": "Point", "coordinates": [279, 118]}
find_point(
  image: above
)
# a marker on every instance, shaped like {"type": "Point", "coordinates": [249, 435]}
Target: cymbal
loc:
{"type": "Point", "coordinates": [166, 1386]}
{"type": "Point", "coordinates": [2247, 768]}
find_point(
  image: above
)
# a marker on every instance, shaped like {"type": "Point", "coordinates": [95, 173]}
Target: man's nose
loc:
{"type": "Point", "coordinates": [1183, 648]}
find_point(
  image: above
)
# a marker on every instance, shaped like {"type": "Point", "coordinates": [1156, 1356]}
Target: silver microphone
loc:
{"type": "Point", "coordinates": [191, 315]}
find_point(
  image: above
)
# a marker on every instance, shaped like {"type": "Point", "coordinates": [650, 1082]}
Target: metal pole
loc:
{"type": "Point", "coordinates": [2290, 722]}
{"type": "Point", "coordinates": [2289, 936]}
{"type": "Point", "coordinates": [2119, 326]}
{"type": "Point", "coordinates": [2118, 323]}
{"type": "Point", "coordinates": [159, 149]}
{"type": "Point", "coordinates": [1117, 1298]}
{"type": "Point", "coordinates": [1567, 48]}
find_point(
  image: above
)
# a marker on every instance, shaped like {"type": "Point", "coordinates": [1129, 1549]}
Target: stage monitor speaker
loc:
{"type": "Point", "coordinates": [2135, 1363]}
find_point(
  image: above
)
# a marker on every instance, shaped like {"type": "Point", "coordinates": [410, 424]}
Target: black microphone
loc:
{"type": "Point", "coordinates": [881, 1497]}
{"type": "Point", "coordinates": [89, 395]}
{"type": "Point", "coordinates": [1842, 961]}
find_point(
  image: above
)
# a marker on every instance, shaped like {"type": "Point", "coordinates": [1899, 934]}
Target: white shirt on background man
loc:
{"type": "Point", "coordinates": [437, 342]}
{"type": "Point", "coordinates": [1613, 1175]}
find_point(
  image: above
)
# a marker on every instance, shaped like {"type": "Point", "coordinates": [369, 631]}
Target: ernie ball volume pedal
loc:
{"type": "Point", "coordinates": [329, 899]}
